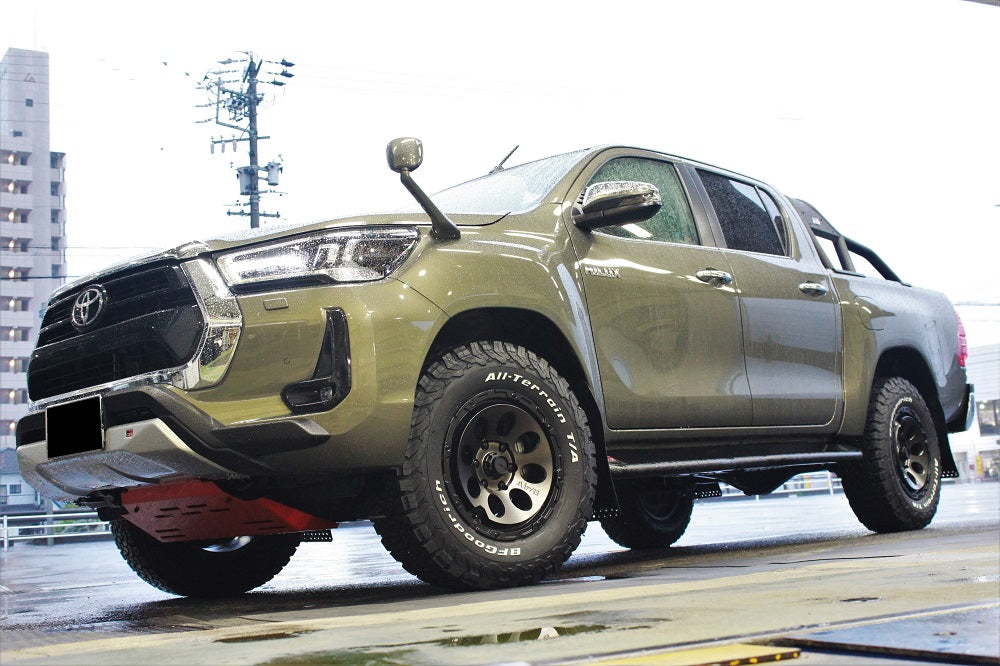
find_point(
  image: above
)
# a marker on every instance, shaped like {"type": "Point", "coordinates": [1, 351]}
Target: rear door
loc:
{"type": "Point", "coordinates": [669, 343]}
{"type": "Point", "coordinates": [791, 324]}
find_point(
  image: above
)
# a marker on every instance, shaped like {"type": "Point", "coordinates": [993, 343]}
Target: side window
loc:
{"type": "Point", "coordinates": [775, 214]}
{"type": "Point", "coordinates": [674, 222]}
{"type": "Point", "coordinates": [749, 218]}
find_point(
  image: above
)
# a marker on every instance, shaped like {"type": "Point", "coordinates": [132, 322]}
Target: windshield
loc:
{"type": "Point", "coordinates": [514, 190]}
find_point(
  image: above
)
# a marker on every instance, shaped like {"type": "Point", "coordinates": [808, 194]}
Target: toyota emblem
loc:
{"type": "Point", "coordinates": [88, 307]}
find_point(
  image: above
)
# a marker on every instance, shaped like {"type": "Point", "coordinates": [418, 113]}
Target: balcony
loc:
{"type": "Point", "coordinates": [16, 230]}
{"type": "Point", "coordinates": [57, 201]}
{"type": "Point", "coordinates": [19, 144]}
{"type": "Point", "coordinates": [12, 412]}
{"type": "Point", "coordinates": [16, 260]}
{"type": "Point", "coordinates": [19, 319]}
{"type": "Point", "coordinates": [18, 172]}
{"type": "Point", "coordinates": [8, 288]}
{"type": "Point", "coordinates": [19, 349]}
{"type": "Point", "coordinates": [13, 380]}
{"type": "Point", "coordinates": [18, 201]}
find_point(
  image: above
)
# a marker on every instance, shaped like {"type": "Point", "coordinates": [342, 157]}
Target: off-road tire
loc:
{"type": "Point", "coordinates": [897, 485]}
{"type": "Point", "coordinates": [653, 513]}
{"type": "Point", "coordinates": [195, 569]}
{"type": "Point", "coordinates": [498, 479]}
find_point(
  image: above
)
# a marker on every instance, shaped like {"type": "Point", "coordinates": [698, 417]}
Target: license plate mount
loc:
{"type": "Point", "coordinates": [75, 427]}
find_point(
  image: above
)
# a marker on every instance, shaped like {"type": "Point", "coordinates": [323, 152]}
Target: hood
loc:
{"type": "Point", "coordinates": [254, 236]}
{"type": "Point", "coordinates": [248, 237]}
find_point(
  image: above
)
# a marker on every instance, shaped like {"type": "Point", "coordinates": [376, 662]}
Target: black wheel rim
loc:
{"type": "Point", "coordinates": [502, 466]}
{"type": "Point", "coordinates": [660, 504]}
{"type": "Point", "coordinates": [910, 450]}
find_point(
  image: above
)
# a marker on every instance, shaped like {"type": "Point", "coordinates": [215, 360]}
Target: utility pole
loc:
{"type": "Point", "coordinates": [241, 104]}
{"type": "Point", "coordinates": [252, 70]}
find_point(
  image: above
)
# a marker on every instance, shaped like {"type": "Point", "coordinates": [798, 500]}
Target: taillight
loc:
{"type": "Point", "coordinates": [963, 344]}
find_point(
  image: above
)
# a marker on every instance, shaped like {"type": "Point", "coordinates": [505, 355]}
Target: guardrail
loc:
{"type": "Point", "coordinates": [810, 483]}
{"type": "Point", "coordinates": [52, 526]}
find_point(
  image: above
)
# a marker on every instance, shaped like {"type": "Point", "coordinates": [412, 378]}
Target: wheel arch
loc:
{"type": "Point", "coordinates": [909, 364]}
{"type": "Point", "coordinates": [537, 333]}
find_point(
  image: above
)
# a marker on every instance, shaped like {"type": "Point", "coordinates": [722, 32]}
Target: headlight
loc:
{"type": "Point", "coordinates": [349, 255]}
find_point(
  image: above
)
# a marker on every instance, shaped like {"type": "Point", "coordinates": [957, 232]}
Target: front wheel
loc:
{"type": "Point", "coordinates": [199, 569]}
{"type": "Point", "coordinates": [498, 478]}
{"type": "Point", "coordinates": [897, 484]}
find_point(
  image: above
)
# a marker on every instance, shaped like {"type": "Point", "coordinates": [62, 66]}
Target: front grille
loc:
{"type": "Point", "coordinates": [151, 322]}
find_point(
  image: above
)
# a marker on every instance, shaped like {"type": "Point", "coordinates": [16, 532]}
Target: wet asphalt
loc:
{"type": "Point", "coordinates": [765, 571]}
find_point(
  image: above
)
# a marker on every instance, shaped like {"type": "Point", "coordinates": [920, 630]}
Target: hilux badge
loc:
{"type": "Point", "coordinates": [88, 307]}
{"type": "Point", "coordinates": [602, 271]}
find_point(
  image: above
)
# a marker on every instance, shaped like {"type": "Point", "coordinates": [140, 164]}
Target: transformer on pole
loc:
{"type": "Point", "coordinates": [240, 102]}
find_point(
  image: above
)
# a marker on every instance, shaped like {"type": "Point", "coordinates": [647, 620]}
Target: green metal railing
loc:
{"type": "Point", "coordinates": [51, 526]}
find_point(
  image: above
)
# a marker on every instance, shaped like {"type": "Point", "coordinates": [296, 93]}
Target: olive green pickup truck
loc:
{"type": "Point", "coordinates": [603, 335]}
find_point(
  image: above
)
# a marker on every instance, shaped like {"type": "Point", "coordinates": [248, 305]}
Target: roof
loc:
{"type": "Point", "coordinates": [8, 462]}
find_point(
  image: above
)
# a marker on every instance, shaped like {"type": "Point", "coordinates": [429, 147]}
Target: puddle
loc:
{"type": "Point", "coordinates": [978, 579]}
{"type": "Point", "coordinates": [536, 634]}
{"type": "Point", "coordinates": [346, 658]}
{"type": "Point", "coordinates": [263, 637]}
{"type": "Point", "coordinates": [859, 600]}
{"type": "Point", "coordinates": [579, 579]}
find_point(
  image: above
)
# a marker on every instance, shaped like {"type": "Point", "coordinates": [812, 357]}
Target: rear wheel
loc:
{"type": "Point", "coordinates": [654, 513]}
{"type": "Point", "coordinates": [200, 569]}
{"type": "Point", "coordinates": [498, 478]}
{"type": "Point", "coordinates": [897, 485]}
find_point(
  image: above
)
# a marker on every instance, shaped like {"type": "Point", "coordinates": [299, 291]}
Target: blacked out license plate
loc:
{"type": "Point", "coordinates": [74, 427]}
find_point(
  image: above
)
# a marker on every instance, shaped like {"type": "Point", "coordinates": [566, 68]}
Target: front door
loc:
{"type": "Point", "coordinates": [669, 342]}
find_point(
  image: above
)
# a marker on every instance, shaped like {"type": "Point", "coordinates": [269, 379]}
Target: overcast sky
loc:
{"type": "Point", "coordinates": [883, 114]}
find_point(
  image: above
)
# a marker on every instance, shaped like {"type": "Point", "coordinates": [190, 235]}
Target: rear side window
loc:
{"type": "Point", "coordinates": [674, 222]}
{"type": "Point", "coordinates": [750, 219]}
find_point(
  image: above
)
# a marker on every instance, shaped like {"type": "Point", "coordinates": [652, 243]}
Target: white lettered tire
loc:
{"type": "Point", "coordinates": [897, 485]}
{"type": "Point", "coordinates": [498, 479]}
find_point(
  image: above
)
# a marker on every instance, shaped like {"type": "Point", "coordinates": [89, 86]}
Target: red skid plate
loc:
{"type": "Point", "coordinates": [197, 510]}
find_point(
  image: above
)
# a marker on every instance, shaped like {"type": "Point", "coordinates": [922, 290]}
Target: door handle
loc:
{"type": "Point", "coordinates": [813, 289]}
{"type": "Point", "coordinates": [714, 277]}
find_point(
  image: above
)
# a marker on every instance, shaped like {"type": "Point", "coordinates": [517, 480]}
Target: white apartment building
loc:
{"type": "Point", "coordinates": [32, 223]}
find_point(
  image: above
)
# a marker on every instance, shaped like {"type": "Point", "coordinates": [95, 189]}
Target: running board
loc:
{"type": "Point", "coordinates": [620, 470]}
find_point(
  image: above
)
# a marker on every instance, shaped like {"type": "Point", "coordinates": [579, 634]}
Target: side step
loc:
{"type": "Point", "coordinates": [620, 470]}
{"type": "Point", "coordinates": [316, 536]}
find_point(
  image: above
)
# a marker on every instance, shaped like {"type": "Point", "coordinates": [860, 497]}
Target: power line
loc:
{"type": "Point", "coordinates": [236, 105]}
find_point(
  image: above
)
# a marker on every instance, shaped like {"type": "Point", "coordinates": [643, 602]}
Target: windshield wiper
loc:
{"type": "Point", "coordinates": [499, 167]}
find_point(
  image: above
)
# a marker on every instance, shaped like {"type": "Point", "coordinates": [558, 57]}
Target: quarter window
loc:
{"type": "Point", "coordinates": [750, 219]}
{"type": "Point", "coordinates": [674, 222]}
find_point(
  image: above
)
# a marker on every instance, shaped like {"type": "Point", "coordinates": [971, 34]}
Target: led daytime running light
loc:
{"type": "Point", "coordinates": [349, 255]}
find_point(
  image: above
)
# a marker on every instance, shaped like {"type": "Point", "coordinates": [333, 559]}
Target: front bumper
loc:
{"type": "Point", "coordinates": [304, 394]}
{"type": "Point", "coordinates": [152, 436]}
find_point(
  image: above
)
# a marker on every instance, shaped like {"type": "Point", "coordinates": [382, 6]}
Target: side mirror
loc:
{"type": "Point", "coordinates": [404, 154]}
{"type": "Point", "coordinates": [616, 202]}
